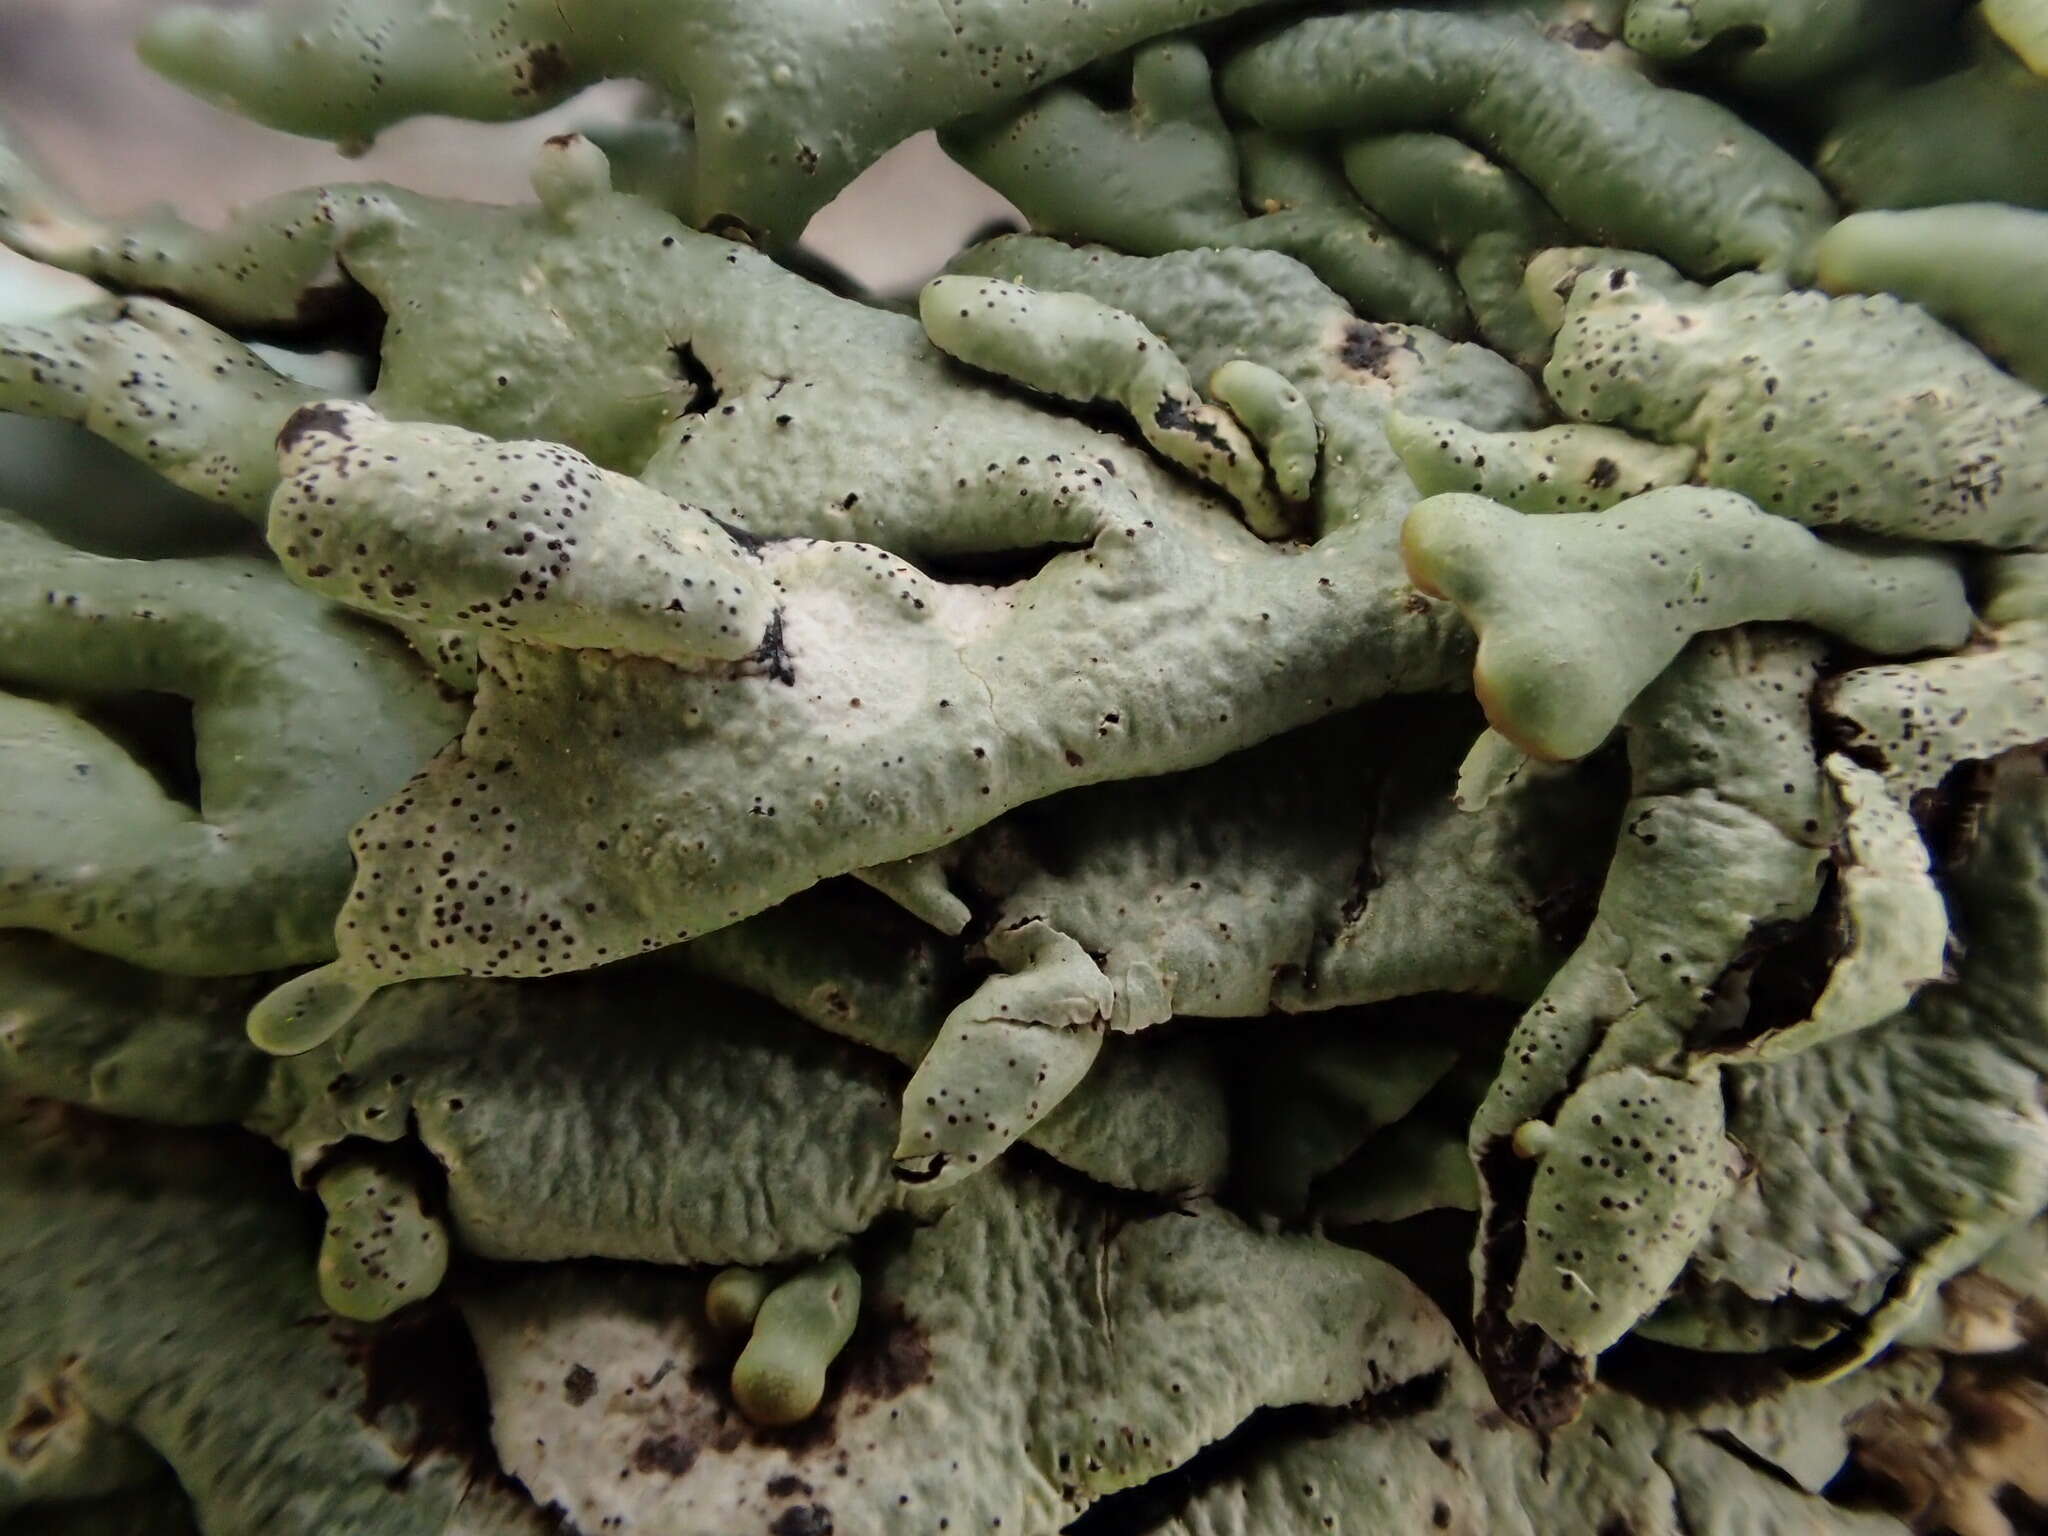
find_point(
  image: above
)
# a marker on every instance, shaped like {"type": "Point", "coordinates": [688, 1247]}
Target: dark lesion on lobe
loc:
{"type": "Point", "coordinates": [1173, 417]}
{"type": "Point", "coordinates": [310, 420]}
{"type": "Point", "coordinates": [1371, 348]}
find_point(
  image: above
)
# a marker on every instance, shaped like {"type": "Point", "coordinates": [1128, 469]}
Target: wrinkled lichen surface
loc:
{"type": "Point", "coordinates": [1353, 839]}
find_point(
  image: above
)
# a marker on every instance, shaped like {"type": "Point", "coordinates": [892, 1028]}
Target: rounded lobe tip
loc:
{"type": "Point", "coordinates": [305, 1012]}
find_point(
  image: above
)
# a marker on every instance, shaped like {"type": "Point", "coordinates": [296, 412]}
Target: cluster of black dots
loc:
{"type": "Point", "coordinates": [1639, 1148]}
{"type": "Point", "coordinates": [467, 908]}
{"type": "Point", "coordinates": [1910, 473]}
{"type": "Point", "coordinates": [1600, 478]}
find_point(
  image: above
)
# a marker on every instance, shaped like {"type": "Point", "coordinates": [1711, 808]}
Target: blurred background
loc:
{"type": "Point", "coordinates": [122, 138]}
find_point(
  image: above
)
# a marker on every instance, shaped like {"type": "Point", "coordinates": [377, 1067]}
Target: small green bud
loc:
{"type": "Point", "coordinates": [733, 1299]}
{"type": "Point", "coordinates": [802, 1326]}
{"type": "Point", "coordinates": [381, 1249]}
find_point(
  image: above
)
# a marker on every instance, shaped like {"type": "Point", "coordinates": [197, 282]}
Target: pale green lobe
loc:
{"type": "Point", "coordinates": [84, 1029]}
{"type": "Point", "coordinates": [303, 719]}
{"type": "Point", "coordinates": [1552, 275]}
{"type": "Point", "coordinates": [162, 1281]}
{"type": "Point", "coordinates": [605, 325]}
{"type": "Point", "coordinates": [1851, 412]}
{"type": "Point", "coordinates": [1160, 177]}
{"type": "Point", "coordinates": [1006, 1057]}
{"type": "Point", "coordinates": [1751, 1466]}
{"type": "Point", "coordinates": [1899, 1156]}
{"type": "Point", "coordinates": [1625, 161]}
{"type": "Point", "coordinates": [556, 320]}
{"type": "Point", "coordinates": [346, 70]}
{"type": "Point", "coordinates": [1893, 925]}
{"type": "Point", "coordinates": [94, 497]}
{"type": "Point", "coordinates": [1492, 764]}
{"type": "Point", "coordinates": [894, 714]}
{"type": "Point", "coordinates": [1445, 194]}
{"type": "Point", "coordinates": [1076, 348]}
{"type": "Point", "coordinates": [922, 886]}
{"type": "Point", "coordinates": [854, 630]}
{"type": "Point", "coordinates": [273, 263]}
{"type": "Point", "coordinates": [1273, 411]}
{"type": "Point", "coordinates": [790, 99]}
{"type": "Point", "coordinates": [1169, 174]}
{"type": "Point", "coordinates": [1411, 1167]}
{"type": "Point", "coordinates": [58, 475]}
{"type": "Point", "coordinates": [1971, 134]}
{"type": "Point", "coordinates": [803, 1324]}
{"type": "Point", "coordinates": [578, 1118]}
{"type": "Point", "coordinates": [1307, 874]}
{"type": "Point", "coordinates": [1057, 1348]}
{"type": "Point", "coordinates": [530, 541]}
{"type": "Point", "coordinates": [1554, 469]}
{"type": "Point", "coordinates": [1722, 841]}
{"type": "Point", "coordinates": [2014, 588]}
{"type": "Point", "coordinates": [1313, 872]}
{"type": "Point", "coordinates": [1199, 893]}
{"type": "Point", "coordinates": [1303, 208]}
{"type": "Point", "coordinates": [2022, 25]}
{"type": "Point", "coordinates": [1415, 922]}
{"type": "Point", "coordinates": [189, 401]}
{"type": "Point", "coordinates": [1636, 1164]}
{"type": "Point", "coordinates": [612, 329]}
{"type": "Point", "coordinates": [1776, 46]}
{"type": "Point", "coordinates": [1981, 267]}
{"type": "Point", "coordinates": [1217, 307]}
{"type": "Point", "coordinates": [381, 1249]}
{"type": "Point", "coordinates": [1151, 1116]}
{"type": "Point", "coordinates": [306, 1011]}
{"type": "Point", "coordinates": [1720, 1320]}
{"type": "Point", "coordinates": [1576, 615]}
{"type": "Point", "coordinates": [1314, 1092]}
{"type": "Point", "coordinates": [1916, 722]}
{"type": "Point", "coordinates": [733, 1298]}
{"type": "Point", "coordinates": [1441, 192]}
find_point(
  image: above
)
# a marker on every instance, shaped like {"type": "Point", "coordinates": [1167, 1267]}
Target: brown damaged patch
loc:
{"type": "Point", "coordinates": [1979, 1446]}
{"type": "Point", "coordinates": [1368, 348]}
{"type": "Point", "coordinates": [1536, 1381]}
{"type": "Point", "coordinates": [420, 1371]}
{"type": "Point", "coordinates": [803, 1520]}
{"type": "Point", "coordinates": [308, 420]}
{"type": "Point", "coordinates": [544, 70]}
{"type": "Point", "coordinates": [1777, 977]}
{"type": "Point", "coordinates": [41, 1417]}
{"type": "Point", "coordinates": [579, 1385]}
{"type": "Point", "coordinates": [669, 1455]}
{"type": "Point", "coordinates": [887, 1356]}
{"type": "Point", "coordinates": [1582, 35]}
{"type": "Point", "coordinates": [1950, 814]}
{"type": "Point", "coordinates": [1174, 416]}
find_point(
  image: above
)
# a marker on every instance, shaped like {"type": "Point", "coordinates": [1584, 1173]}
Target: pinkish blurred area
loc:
{"type": "Point", "coordinates": [70, 81]}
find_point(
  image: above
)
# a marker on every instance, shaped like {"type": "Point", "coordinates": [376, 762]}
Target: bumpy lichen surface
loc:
{"type": "Point", "coordinates": [1355, 839]}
